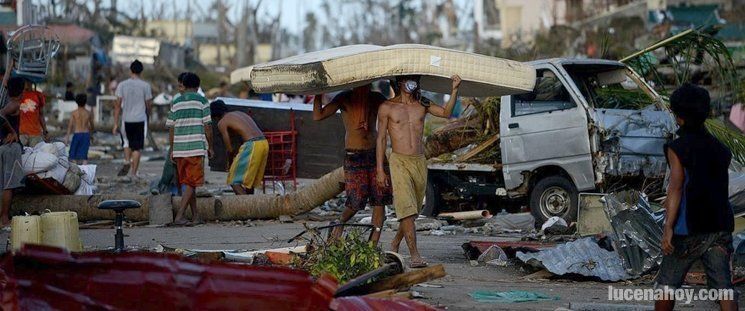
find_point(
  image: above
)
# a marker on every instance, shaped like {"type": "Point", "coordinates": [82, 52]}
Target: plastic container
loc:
{"type": "Point", "coordinates": [25, 230]}
{"type": "Point", "coordinates": [61, 229]}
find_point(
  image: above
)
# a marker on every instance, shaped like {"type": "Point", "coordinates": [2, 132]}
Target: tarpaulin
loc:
{"type": "Point", "coordinates": [46, 278]}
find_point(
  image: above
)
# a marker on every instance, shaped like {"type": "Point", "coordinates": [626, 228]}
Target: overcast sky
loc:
{"type": "Point", "coordinates": [292, 10]}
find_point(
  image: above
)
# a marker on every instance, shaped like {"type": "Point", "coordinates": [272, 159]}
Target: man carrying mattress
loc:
{"type": "Point", "coordinates": [403, 118]}
{"type": "Point", "coordinates": [359, 110]}
{"type": "Point", "coordinates": [246, 171]}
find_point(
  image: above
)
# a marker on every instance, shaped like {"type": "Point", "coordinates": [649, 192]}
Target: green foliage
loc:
{"type": "Point", "coordinates": [732, 138]}
{"type": "Point", "coordinates": [697, 47]}
{"type": "Point", "coordinates": [346, 258]}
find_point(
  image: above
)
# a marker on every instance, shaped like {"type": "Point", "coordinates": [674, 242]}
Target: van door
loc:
{"type": "Point", "coordinates": [547, 127]}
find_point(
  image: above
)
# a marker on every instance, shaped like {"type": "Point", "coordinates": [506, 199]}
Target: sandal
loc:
{"type": "Point", "coordinates": [124, 170]}
{"type": "Point", "coordinates": [418, 264]}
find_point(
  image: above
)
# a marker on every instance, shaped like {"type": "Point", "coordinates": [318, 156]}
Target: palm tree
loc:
{"type": "Point", "coordinates": [695, 47]}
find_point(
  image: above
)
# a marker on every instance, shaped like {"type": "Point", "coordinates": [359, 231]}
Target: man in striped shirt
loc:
{"type": "Point", "coordinates": [190, 137]}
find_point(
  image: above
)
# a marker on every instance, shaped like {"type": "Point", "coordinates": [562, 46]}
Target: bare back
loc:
{"type": "Point", "coordinates": [405, 125]}
{"type": "Point", "coordinates": [356, 137]}
{"type": "Point", "coordinates": [81, 120]}
{"type": "Point", "coordinates": [239, 123]}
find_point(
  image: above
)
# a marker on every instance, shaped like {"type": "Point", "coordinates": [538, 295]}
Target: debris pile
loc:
{"type": "Point", "coordinates": [49, 170]}
{"type": "Point", "coordinates": [637, 231]}
{"type": "Point", "coordinates": [472, 137]}
{"type": "Point", "coordinates": [55, 279]}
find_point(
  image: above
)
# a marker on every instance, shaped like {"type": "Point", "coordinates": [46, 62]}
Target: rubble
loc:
{"type": "Point", "coordinates": [505, 223]}
{"type": "Point", "coordinates": [27, 280]}
{"type": "Point", "coordinates": [637, 231]}
{"type": "Point", "coordinates": [583, 256]}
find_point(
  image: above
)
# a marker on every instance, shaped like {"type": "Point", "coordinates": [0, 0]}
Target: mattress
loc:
{"type": "Point", "coordinates": [350, 66]}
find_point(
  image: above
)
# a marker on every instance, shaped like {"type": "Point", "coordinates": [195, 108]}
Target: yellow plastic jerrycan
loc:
{"type": "Point", "coordinates": [60, 229]}
{"type": "Point", "coordinates": [25, 230]}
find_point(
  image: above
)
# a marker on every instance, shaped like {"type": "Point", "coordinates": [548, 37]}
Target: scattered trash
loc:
{"type": "Point", "coordinates": [285, 219]}
{"type": "Point", "coordinates": [165, 275]}
{"type": "Point", "coordinates": [474, 249]}
{"type": "Point", "coordinates": [493, 253]}
{"type": "Point", "coordinates": [473, 263]}
{"type": "Point", "coordinates": [583, 256]}
{"type": "Point", "coordinates": [514, 296]}
{"type": "Point", "coordinates": [497, 262]}
{"type": "Point", "coordinates": [470, 215]}
{"type": "Point", "coordinates": [425, 224]}
{"type": "Point", "coordinates": [554, 221]}
{"type": "Point", "coordinates": [502, 223]}
{"type": "Point", "coordinates": [437, 232]}
{"type": "Point", "coordinates": [637, 230]}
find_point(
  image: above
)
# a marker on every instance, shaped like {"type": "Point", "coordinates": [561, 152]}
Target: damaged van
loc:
{"type": "Point", "coordinates": [588, 125]}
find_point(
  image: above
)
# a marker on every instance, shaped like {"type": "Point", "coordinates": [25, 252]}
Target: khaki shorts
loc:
{"type": "Point", "coordinates": [409, 181]}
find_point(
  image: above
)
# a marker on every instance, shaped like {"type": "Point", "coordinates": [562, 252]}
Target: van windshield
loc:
{"type": "Point", "coordinates": [610, 87]}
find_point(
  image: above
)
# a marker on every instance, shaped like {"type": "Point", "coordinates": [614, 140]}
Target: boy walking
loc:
{"type": "Point", "coordinates": [698, 220]}
{"type": "Point", "coordinates": [190, 137]}
{"type": "Point", "coordinates": [81, 121]}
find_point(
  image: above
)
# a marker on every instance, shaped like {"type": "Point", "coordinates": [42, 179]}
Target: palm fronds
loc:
{"type": "Point", "coordinates": [696, 47]}
{"type": "Point", "coordinates": [732, 138]}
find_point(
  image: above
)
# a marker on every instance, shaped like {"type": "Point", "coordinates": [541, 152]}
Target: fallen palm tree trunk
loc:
{"type": "Point", "coordinates": [272, 206]}
{"type": "Point", "coordinates": [258, 206]}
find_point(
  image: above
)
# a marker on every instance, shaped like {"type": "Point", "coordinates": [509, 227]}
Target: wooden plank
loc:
{"type": "Point", "coordinates": [483, 146]}
{"type": "Point", "coordinates": [406, 280]}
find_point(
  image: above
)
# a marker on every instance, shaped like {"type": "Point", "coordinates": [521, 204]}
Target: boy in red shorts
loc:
{"type": "Point", "coordinates": [190, 136]}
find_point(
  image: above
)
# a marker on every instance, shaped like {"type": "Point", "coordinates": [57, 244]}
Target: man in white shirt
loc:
{"type": "Point", "coordinates": [133, 105]}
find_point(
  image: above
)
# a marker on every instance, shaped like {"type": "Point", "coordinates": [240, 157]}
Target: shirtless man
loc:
{"type": "Point", "coordinates": [246, 167]}
{"type": "Point", "coordinates": [403, 118]}
{"type": "Point", "coordinates": [359, 111]}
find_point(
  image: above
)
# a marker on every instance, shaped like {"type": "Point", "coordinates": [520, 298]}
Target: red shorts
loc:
{"type": "Point", "coordinates": [190, 171]}
{"type": "Point", "coordinates": [360, 182]}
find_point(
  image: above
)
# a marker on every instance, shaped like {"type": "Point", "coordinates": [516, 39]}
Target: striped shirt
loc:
{"type": "Point", "coordinates": [190, 113]}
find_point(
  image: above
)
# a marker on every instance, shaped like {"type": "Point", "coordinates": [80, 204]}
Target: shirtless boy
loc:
{"type": "Point", "coordinates": [359, 110]}
{"type": "Point", "coordinates": [403, 118]}
{"type": "Point", "coordinates": [81, 121]}
{"type": "Point", "coordinates": [245, 167]}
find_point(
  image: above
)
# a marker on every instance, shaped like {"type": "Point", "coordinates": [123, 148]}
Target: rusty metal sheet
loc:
{"type": "Point", "coordinates": [48, 278]}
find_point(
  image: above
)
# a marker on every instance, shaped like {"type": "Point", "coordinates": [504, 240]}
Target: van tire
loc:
{"type": "Point", "coordinates": [432, 197]}
{"type": "Point", "coordinates": [548, 198]}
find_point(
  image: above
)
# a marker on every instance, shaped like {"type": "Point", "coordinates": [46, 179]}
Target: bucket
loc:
{"type": "Point", "coordinates": [25, 230]}
{"type": "Point", "coordinates": [60, 229]}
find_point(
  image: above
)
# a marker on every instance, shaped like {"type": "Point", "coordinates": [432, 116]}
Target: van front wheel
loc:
{"type": "Point", "coordinates": [553, 196]}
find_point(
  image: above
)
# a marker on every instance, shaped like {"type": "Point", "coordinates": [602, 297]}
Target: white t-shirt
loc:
{"type": "Point", "coordinates": [134, 93]}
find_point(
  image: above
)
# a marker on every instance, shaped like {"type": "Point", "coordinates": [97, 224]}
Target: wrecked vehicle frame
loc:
{"type": "Point", "coordinates": [588, 125]}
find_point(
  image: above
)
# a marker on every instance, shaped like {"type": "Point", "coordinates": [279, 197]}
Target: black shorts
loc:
{"type": "Point", "coordinates": [134, 132]}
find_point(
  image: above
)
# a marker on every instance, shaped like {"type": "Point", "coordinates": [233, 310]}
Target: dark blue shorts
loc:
{"type": "Point", "coordinates": [79, 146]}
{"type": "Point", "coordinates": [713, 249]}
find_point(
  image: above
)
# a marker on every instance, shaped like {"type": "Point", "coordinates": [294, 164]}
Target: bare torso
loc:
{"type": "Point", "coordinates": [359, 138]}
{"type": "Point", "coordinates": [81, 120]}
{"type": "Point", "coordinates": [406, 126]}
{"type": "Point", "coordinates": [239, 123]}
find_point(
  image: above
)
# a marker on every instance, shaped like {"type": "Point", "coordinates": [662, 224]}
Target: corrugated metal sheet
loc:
{"type": "Point", "coordinates": [583, 256]}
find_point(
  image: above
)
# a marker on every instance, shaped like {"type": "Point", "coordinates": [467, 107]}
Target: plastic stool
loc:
{"type": "Point", "coordinates": [119, 206]}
